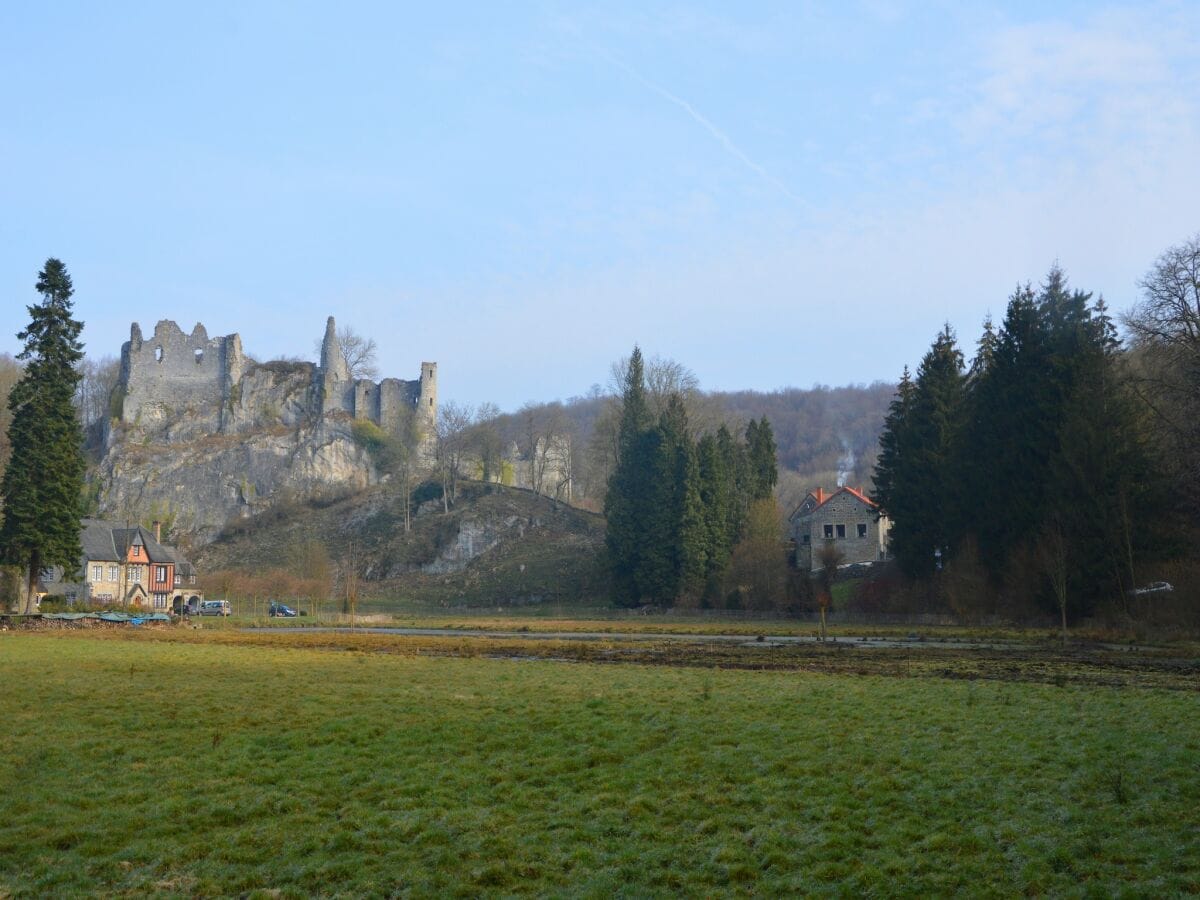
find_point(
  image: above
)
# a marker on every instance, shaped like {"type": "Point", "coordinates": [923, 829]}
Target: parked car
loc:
{"type": "Point", "coordinates": [279, 609]}
{"type": "Point", "coordinates": [215, 608]}
{"type": "Point", "coordinates": [1155, 587]}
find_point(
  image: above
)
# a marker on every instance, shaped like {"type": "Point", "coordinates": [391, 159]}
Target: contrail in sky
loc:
{"type": "Point", "coordinates": [704, 123]}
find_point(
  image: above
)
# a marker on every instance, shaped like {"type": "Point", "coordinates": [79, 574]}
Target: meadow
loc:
{"type": "Point", "coordinates": [137, 764]}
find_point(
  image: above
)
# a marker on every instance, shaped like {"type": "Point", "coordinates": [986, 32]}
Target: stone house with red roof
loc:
{"type": "Point", "coordinates": [847, 518]}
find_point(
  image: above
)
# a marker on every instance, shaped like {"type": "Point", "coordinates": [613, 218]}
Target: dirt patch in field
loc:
{"type": "Point", "coordinates": [1079, 665]}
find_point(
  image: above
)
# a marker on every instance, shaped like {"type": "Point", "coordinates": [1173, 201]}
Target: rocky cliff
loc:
{"type": "Point", "coordinates": [496, 545]}
{"type": "Point", "coordinates": [199, 468]}
{"type": "Point", "coordinates": [202, 436]}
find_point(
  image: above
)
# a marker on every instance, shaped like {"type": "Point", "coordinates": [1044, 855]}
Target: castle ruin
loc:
{"type": "Point", "coordinates": [174, 372]}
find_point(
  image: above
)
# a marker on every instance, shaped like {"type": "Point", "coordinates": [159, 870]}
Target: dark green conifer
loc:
{"type": "Point", "coordinates": [43, 482]}
{"type": "Point", "coordinates": [626, 502]}
{"type": "Point", "coordinates": [760, 454]}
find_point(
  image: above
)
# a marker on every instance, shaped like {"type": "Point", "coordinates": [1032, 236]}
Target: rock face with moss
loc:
{"type": "Point", "coordinates": [201, 435]}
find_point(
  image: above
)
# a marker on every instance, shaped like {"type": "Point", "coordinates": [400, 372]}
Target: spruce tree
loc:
{"type": "Point", "coordinates": [714, 501]}
{"type": "Point", "coordinates": [626, 502]}
{"type": "Point", "coordinates": [1013, 433]}
{"type": "Point", "coordinates": [736, 471]}
{"type": "Point", "coordinates": [760, 455]}
{"type": "Point", "coordinates": [688, 528]}
{"type": "Point", "coordinates": [919, 502]}
{"type": "Point", "coordinates": [894, 443]}
{"type": "Point", "coordinates": [43, 481]}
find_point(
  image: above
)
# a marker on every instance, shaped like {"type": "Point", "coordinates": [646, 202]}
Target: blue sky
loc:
{"type": "Point", "coordinates": [773, 195]}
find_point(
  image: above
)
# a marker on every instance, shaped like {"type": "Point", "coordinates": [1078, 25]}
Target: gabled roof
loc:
{"type": "Point", "coordinates": [110, 542]}
{"type": "Point", "coordinates": [97, 540]}
{"type": "Point", "coordinates": [817, 498]}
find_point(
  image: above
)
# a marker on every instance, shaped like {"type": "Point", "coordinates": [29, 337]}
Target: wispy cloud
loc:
{"type": "Point", "coordinates": [704, 122]}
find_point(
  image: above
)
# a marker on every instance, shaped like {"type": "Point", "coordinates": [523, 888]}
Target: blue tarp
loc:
{"type": "Point", "coordinates": [110, 617]}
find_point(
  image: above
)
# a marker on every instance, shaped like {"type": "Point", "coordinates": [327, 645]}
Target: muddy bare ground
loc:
{"type": "Point", "coordinates": [1174, 668]}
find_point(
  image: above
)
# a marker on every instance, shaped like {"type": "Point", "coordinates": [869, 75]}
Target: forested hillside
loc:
{"type": "Point", "coordinates": [820, 432]}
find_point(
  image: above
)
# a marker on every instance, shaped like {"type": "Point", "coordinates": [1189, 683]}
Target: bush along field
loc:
{"type": "Point", "coordinates": [130, 765]}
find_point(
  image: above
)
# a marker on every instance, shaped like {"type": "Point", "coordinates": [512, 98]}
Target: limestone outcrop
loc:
{"type": "Point", "coordinates": [202, 435]}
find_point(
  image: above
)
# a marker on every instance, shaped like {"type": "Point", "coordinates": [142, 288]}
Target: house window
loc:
{"type": "Point", "coordinates": [113, 573]}
{"type": "Point", "coordinates": [178, 579]}
{"type": "Point", "coordinates": [160, 601]}
{"type": "Point", "coordinates": [829, 532]}
{"type": "Point", "coordinates": [135, 574]}
{"type": "Point", "coordinates": [97, 573]}
{"type": "Point", "coordinates": [192, 579]}
{"type": "Point", "coordinates": [841, 531]}
{"type": "Point", "coordinates": [160, 574]}
{"type": "Point", "coordinates": [137, 551]}
{"type": "Point", "coordinates": [862, 530]}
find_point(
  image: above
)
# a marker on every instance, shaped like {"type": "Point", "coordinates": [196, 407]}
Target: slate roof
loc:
{"type": "Point", "coordinates": [110, 542]}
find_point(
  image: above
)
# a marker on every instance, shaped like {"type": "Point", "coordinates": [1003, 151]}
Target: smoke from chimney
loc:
{"type": "Point", "coordinates": [846, 464]}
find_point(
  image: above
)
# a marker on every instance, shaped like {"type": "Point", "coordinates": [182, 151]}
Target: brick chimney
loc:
{"type": "Point", "coordinates": [158, 531]}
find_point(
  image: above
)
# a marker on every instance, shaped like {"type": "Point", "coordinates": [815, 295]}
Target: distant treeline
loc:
{"type": "Point", "coordinates": [819, 432]}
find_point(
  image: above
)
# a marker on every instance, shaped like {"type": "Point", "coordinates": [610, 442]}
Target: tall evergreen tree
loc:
{"type": "Point", "coordinates": [1110, 500]}
{"type": "Point", "coordinates": [688, 528]}
{"type": "Point", "coordinates": [736, 468]}
{"type": "Point", "coordinates": [1013, 433]}
{"type": "Point", "coordinates": [626, 502]}
{"type": "Point", "coordinates": [715, 490]}
{"type": "Point", "coordinates": [43, 481]}
{"type": "Point", "coordinates": [894, 443]}
{"type": "Point", "coordinates": [919, 501]}
{"type": "Point", "coordinates": [760, 455]}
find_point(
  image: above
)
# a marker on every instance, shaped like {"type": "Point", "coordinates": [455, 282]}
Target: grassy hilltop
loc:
{"type": "Point", "coordinates": [530, 550]}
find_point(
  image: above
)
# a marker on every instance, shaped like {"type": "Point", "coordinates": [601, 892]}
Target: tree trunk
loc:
{"type": "Point", "coordinates": [35, 566]}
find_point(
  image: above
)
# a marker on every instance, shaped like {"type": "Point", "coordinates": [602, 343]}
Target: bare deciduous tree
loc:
{"type": "Point", "coordinates": [453, 423]}
{"type": "Point", "coordinates": [1165, 327]}
{"type": "Point", "coordinates": [1052, 556]}
{"type": "Point", "coordinates": [547, 440]}
{"type": "Point", "coordinates": [360, 352]}
{"type": "Point", "coordinates": [485, 440]}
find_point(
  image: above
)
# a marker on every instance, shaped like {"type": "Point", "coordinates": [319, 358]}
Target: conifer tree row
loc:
{"type": "Point", "coordinates": [1037, 445]}
{"type": "Point", "coordinates": [676, 506]}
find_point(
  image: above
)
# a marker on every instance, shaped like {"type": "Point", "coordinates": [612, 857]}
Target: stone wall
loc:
{"type": "Point", "coordinates": [173, 371]}
{"type": "Point", "coordinates": [174, 375]}
{"type": "Point", "coordinates": [846, 521]}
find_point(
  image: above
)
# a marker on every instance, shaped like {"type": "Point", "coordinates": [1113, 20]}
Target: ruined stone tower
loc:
{"type": "Point", "coordinates": [335, 389]}
{"type": "Point", "coordinates": [174, 372]}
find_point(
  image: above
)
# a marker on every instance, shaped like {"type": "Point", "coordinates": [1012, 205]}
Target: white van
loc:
{"type": "Point", "coordinates": [215, 608]}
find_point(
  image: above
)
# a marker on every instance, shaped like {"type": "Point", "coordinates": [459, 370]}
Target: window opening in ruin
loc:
{"type": "Point", "coordinates": [431, 401]}
{"type": "Point", "coordinates": [158, 354]}
{"type": "Point", "coordinates": [841, 531]}
{"type": "Point", "coordinates": [862, 530]}
{"type": "Point", "coordinates": [828, 531]}
{"type": "Point", "coordinates": [804, 539]}
{"type": "Point", "coordinates": [199, 356]}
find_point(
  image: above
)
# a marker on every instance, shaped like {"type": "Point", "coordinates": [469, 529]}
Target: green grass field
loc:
{"type": "Point", "coordinates": [134, 765]}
